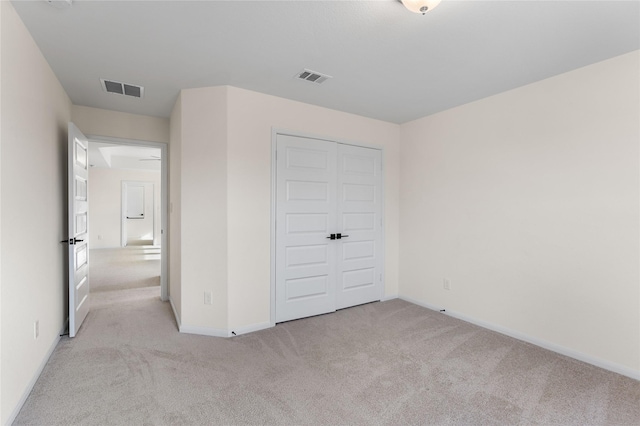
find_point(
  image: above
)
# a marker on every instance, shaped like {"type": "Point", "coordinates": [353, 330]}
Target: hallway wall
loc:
{"type": "Point", "coordinates": [102, 122]}
{"type": "Point", "coordinates": [33, 185]}
{"type": "Point", "coordinates": [105, 203]}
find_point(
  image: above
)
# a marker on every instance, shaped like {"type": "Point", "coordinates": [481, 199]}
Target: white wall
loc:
{"type": "Point", "coordinates": [175, 208]}
{"type": "Point", "coordinates": [34, 120]}
{"type": "Point", "coordinates": [251, 117]}
{"type": "Point", "coordinates": [528, 201]}
{"type": "Point", "coordinates": [102, 122]}
{"type": "Point", "coordinates": [105, 203]}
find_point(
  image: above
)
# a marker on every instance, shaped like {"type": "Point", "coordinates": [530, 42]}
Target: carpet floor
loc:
{"type": "Point", "coordinates": [383, 363]}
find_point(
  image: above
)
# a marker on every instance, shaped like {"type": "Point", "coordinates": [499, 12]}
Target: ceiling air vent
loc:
{"type": "Point", "coordinates": [122, 88]}
{"type": "Point", "coordinates": [312, 76]}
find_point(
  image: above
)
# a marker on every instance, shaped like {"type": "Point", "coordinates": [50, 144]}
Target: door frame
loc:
{"type": "Point", "coordinates": [124, 192]}
{"type": "Point", "coordinates": [164, 200]}
{"type": "Point", "coordinates": [274, 182]}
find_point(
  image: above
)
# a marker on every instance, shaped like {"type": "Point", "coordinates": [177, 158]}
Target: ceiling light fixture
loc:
{"type": "Point", "coordinates": [60, 4]}
{"type": "Point", "coordinates": [420, 6]}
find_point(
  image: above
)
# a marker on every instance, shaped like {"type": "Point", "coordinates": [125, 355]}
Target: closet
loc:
{"type": "Point", "coordinates": [329, 252]}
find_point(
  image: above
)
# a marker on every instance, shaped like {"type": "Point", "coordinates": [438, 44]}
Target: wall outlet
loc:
{"type": "Point", "coordinates": [446, 284]}
{"type": "Point", "coordinates": [36, 329]}
{"type": "Point", "coordinates": [99, 237]}
{"type": "Point", "coordinates": [208, 297]}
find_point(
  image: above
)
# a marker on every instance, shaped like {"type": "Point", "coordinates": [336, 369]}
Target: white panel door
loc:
{"type": "Point", "coordinates": [359, 260]}
{"type": "Point", "coordinates": [306, 215]}
{"type": "Point", "coordinates": [78, 227]}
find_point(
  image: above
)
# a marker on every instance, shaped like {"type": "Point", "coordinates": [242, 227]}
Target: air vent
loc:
{"type": "Point", "coordinates": [118, 88]}
{"type": "Point", "coordinates": [312, 76]}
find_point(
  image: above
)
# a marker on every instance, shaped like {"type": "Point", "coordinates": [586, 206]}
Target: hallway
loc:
{"type": "Point", "coordinates": [122, 275]}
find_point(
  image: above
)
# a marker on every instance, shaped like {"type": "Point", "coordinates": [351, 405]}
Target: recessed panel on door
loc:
{"type": "Point", "coordinates": [307, 223]}
{"type": "Point", "coordinates": [352, 222]}
{"type": "Point", "coordinates": [359, 165]}
{"type": "Point", "coordinates": [358, 250]}
{"type": "Point", "coordinates": [307, 191]}
{"type": "Point", "coordinates": [305, 159]}
{"type": "Point", "coordinates": [306, 288]}
{"type": "Point", "coordinates": [358, 192]}
{"type": "Point", "coordinates": [305, 256]}
{"type": "Point", "coordinates": [358, 278]}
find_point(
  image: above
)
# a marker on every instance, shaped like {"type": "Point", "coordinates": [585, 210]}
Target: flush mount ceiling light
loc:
{"type": "Point", "coordinates": [60, 4]}
{"type": "Point", "coordinates": [420, 6]}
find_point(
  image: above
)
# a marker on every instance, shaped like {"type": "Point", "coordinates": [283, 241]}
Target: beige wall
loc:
{"type": "Point", "coordinates": [252, 116]}
{"type": "Point", "coordinates": [35, 113]}
{"type": "Point", "coordinates": [1, 38]}
{"type": "Point", "coordinates": [226, 197]}
{"type": "Point", "coordinates": [175, 208]}
{"type": "Point", "coordinates": [102, 122]}
{"type": "Point", "coordinates": [105, 203]}
{"type": "Point", "coordinates": [528, 202]}
{"type": "Point", "coordinates": [203, 215]}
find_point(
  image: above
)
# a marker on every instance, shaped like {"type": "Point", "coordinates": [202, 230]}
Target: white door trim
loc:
{"type": "Point", "coordinates": [164, 200]}
{"type": "Point", "coordinates": [274, 145]}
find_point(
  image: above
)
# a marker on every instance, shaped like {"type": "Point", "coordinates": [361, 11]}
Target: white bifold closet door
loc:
{"type": "Point", "coordinates": [328, 226]}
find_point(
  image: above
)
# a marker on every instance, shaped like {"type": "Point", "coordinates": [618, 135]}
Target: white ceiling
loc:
{"type": "Point", "coordinates": [387, 62]}
{"type": "Point", "coordinates": [105, 155]}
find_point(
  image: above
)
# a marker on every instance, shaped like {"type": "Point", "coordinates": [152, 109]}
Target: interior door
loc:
{"type": "Point", "coordinates": [78, 225]}
{"type": "Point", "coordinates": [306, 216]}
{"type": "Point", "coordinates": [359, 258]}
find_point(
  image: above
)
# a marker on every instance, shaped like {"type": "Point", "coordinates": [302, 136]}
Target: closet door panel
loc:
{"type": "Point", "coordinates": [359, 259]}
{"type": "Point", "coordinates": [306, 214]}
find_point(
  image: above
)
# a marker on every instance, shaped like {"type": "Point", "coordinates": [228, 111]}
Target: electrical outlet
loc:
{"type": "Point", "coordinates": [446, 284]}
{"type": "Point", "coordinates": [208, 297]}
{"type": "Point", "coordinates": [99, 237]}
{"type": "Point", "coordinates": [36, 329]}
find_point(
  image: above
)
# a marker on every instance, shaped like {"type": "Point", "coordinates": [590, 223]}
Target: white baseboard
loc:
{"type": "Point", "coordinates": [36, 375]}
{"type": "Point", "coordinates": [389, 297]}
{"type": "Point", "coordinates": [175, 313]}
{"type": "Point", "coordinates": [607, 365]}
{"type": "Point", "coordinates": [250, 328]}
{"type": "Point", "coordinates": [204, 331]}
{"type": "Point", "coordinates": [221, 332]}
{"type": "Point", "coordinates": [192, 329]}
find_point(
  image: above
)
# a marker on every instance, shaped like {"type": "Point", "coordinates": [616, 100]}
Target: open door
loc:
{"type": "Point", "coordinates": [78, 222]}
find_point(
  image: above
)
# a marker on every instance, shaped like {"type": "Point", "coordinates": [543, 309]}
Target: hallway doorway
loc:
{"type": "Point", "coordinates": [127, 220]}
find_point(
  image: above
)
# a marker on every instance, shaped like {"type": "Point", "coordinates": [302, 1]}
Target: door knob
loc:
{"type": "Point", "coordinates": [71, 241]}
{"type": "Point", "coordinates": [340, 236]}
{"type": "Point", "coordinates": [332, 236]}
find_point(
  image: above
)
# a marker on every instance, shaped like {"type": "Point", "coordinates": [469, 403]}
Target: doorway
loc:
{"type": "Point", "coordinates": [139, 216]}
{"type": "Point", "coordinates": [128, 253]}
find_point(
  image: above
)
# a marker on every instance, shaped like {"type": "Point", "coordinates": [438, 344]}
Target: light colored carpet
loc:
{"type": "Point", "coordinates": [381, 363]}
{"type": "Point", "coordinates": [124, 268]}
